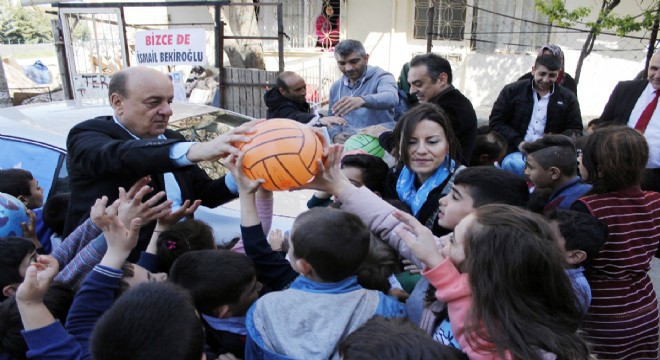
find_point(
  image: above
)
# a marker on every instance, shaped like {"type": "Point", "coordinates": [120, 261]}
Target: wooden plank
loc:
{"type": "Point", "coordinates": [256, 93]}
{"type": "Point", "coordinates": [242, 75]}
{"type": "Point", "coordinates": [236, 106]}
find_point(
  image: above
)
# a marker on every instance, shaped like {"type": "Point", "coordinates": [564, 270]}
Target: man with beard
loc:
{"type": "Point", "coordinates": [365, 96]}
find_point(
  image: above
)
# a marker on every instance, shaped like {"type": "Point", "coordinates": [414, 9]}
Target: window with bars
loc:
{"type": "Point", "coordinates": [449, 19]}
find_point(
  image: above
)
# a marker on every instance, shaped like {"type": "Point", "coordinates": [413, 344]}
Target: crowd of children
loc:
{"type": "Point", "coordinates": [497, 279]}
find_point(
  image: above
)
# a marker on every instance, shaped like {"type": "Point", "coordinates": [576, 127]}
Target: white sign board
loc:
{"type": "Point", "coordinates": [91, 86]}
{"type": "Point", "coordinates": [171, 47]}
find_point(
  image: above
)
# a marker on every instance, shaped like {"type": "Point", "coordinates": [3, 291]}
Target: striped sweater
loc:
{"type": "Point", "coordinates": [622, 322]}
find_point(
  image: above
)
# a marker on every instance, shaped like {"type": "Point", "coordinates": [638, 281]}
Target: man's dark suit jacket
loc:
{"type": "Point", "coordinates": [102, 156]}
{"type": "Point", "coordinates": [463, 120]}
{"type": "Point", "coordinates": [622, 101]}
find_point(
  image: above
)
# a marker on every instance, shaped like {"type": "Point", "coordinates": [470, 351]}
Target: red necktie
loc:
{"type": "Point", "coordinates": [644, 119]}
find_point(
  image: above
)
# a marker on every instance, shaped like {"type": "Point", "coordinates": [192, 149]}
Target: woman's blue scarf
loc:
{"type": "Point", "coordinates": [415, 198]}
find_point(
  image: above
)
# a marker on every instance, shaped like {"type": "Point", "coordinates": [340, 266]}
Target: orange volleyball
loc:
{"type": "Point", "coordinates": [283, 152]}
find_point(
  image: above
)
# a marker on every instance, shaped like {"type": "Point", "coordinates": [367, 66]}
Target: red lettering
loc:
{"type": "Point", "coordinates": [187, 39]}
{"type": "Point", "coordinates": [157, 40]}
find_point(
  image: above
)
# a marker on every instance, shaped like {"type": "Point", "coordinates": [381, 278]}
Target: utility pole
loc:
{"type": "Point", "coordinates": [5, 98]}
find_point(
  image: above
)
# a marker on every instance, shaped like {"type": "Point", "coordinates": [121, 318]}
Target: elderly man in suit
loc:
{"type": "Point", "coordinates": [112, 151]}
{"type": "Point", "coordinates": [634, 103]}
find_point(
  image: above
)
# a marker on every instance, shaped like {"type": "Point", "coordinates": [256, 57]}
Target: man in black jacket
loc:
{"type": "Point", "coordinates": [112, 151]}
{"type": "Point", "coordinates": [430, 78]}
{"type": "Point", "coordinates": [287, 101]}
{"type": "Point", "coordinates": [525, 110]}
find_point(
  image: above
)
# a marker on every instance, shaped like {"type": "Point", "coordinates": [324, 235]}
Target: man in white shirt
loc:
{"type": "Point", "coordinates": [627, 105]}
{"type": "Point", "coordinates": [525, 110]}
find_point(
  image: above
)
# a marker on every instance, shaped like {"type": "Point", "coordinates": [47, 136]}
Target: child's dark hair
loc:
{"type": "Point", "coordinates": [13, 250]}
{"type": "Point", "coordinates": [154, 320]}
{"type": "Point", "coordinates": [182, 237]}
{"type": "Point", "coordinates": [374, 169]}
{"type": "Point", "coordinates": [615, 157]}
{"type": "Point", "coordinates": [394, 338]}
{"type": "Point", "coordinates": [408, 123]}
{"type": "Point", "coordinates": [333, 242]}
{"type": "Point", "coordinates": [381, 262]}
{"type": "Point", "coordinates": [15, 182]}
{"type": "Point", "coordinates": [522, 299]}
{"type": "Point", "coordinates": [58, 300]}
{"type": "Point", "coordinates": [54, 212]}
{"type": "Point", "coordinates": [488, 185]}
{"type": "Point", "coordinates": [231, 273]}
{"type": "Point", "coordinates": [491, 144]}
{"type": "Point", "coordinates": [127, 271]}
{"type": "Point", "coordinates": [581, 231]}
{"type": "Point", "coordinates": [553, 150]}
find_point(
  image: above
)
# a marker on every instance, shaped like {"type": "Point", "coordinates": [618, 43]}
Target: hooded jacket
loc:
{"type": "Point", "coordinates": [282, 108]}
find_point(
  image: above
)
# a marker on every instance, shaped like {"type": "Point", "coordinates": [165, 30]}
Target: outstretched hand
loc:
{"type": "Point", "coordinates": [329, 177]}
{"type": "Point", "coordinates": [131, 205]}
{"type": "Point", "coordinates": [245, 185]}
{"type": "Point", "coordinates": [419, 238]}
{"type": "Point", "coordinates": [165, 222]}
{"type": "Point", "coordinates": [222, 145]}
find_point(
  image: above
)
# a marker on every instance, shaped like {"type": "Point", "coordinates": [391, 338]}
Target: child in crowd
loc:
{"type": "Point", "coordinates": [222, 296]}
{"type": "Point", "coordinates": [327, 246]}
{"type": "Point", "coordinates": [580, 237]}
{"type": "Point", "coordinates": [182, 237]}
{"type": "Point", "coordinates": [495, 314]}
{"type": "Point", "coordinates": [16, 254]}
{"type": "Point", "coordinates": [17, 220]}
{"type": "Point", "coordinates": [394, 338]}
{"type": "Point", "coordinates": [58, 299]}
{"type": "Point", "coordinates": [552, 164]}
{"type": "Point", "coordinates": [489, 148]}
{"type": "Point", "coordinates": [152, 321]}
{"type": "Point", "coordinates": [622, 322]}
{"type": "Point", "coordinates": [21, 184]}
{"type": "Point", "coordinates": [362, 170]}
{"type": "Point", "coordinates": [46, 338]}
{"type": "Point", "coordinates": [53, 215]}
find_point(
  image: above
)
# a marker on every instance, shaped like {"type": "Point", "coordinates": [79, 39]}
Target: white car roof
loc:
{"type": "Point", "coordinates": [50, 123]}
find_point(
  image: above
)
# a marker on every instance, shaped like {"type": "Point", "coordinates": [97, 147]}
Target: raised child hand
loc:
{"type": "Point", "coordinates": [38, 277]}
{"type": "Point", "coordinates": [131, 205]}
{"type": "Point", "coordinates": [419, 238]}
{"type": "Point", "coordinates": [121, 240]}
{"type": "Point", "coordinates": [166, 221]}
{"type": "Point", "coordinates": [245, 185]}
{"type": "Point", "coordinates": [30, 228]}
{"type": "Point", "coordinates": [329, 177]}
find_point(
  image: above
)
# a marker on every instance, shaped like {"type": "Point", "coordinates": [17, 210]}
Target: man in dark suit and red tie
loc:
{"type": "Point", "coordinates": [634, 103]}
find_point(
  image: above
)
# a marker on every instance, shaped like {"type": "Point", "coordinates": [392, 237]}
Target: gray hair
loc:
{"type": "Point", "coordinates": [347, 47]}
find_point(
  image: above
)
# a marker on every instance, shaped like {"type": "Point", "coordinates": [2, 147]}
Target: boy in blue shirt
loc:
{"type": "Point", "coordinates": [325, 304]}
{"type": "Point", "coordinates": [552, 164]}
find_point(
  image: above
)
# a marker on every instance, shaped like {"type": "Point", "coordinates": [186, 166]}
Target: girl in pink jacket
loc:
{"type": "Point", "coordinates": [502, 278]}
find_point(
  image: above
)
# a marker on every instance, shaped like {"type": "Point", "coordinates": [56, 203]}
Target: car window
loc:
{"type": "Point", "coordinates": [43, 161]}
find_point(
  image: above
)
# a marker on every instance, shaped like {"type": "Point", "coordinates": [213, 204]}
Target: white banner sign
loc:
{"type": "Point", "coordinates": [171, 47]}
